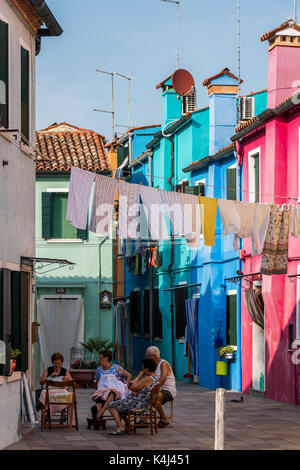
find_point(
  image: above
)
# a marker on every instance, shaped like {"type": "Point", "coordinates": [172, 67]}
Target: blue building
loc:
{"type": "Point", "coordinates": [191, 152]}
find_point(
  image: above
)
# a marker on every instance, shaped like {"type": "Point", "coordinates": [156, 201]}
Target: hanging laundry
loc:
{"type": "Point", "coordinates": [156, 260]}
{"type": "Point", "coordinates": [275, 250]}
{"type": "Point", "coordinates": [152, 201]}
{"type": "Point", "coordinates": [209, 216]}
{"type": "Point", "coordinates": [295, 220]}
{"type": "Point", "coordinates": [192, 211]}
{"type": "Point", "coordinates": [173, 208]}
{"type": "Point", "coordinates": [260, 226]}
{"type": "Point", "coordinates": [81, 182]}
{"type": "Point", "coordinates": [129, 209]}
{"type": "Point", "coordinates": [103, 204]}
{"type": "Point", "coordinates": [237, 218]}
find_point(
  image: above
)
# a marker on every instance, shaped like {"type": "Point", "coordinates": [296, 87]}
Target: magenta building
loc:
{"type": "Point", "coordinates": [270, 159]}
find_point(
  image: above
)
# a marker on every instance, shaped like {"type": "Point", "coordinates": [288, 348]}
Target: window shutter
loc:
{"type": "Point", "coordinates": [257, 177]}
{"type": "Point", "coordinates": [180, 297]}
{"type": "Point", "coordinates": [198, 190]}
{"type": "Point", "coordinates": [122, 153]}
{"type": "Point", "coordinates": [25, 93]}
{"type": "Point", "coordinates": [15, 309]}
{"type": "Point", "coordinates": [231, 317]}
{"type": "Point", "coordinates": [231, 184]}
{"type": "Point", "coordinates": [3, 74]}
{"type": "Point", "coordinates": [146, 312]}
{"type": "Point", "coordinates": [83, 234]}
{"type": "Point", "coordinates": [46, 215]}
{"type": "Point", "coordinates": [61, 227]}
{"type": "Point", "coordinates": [157, 318]}
{"type": "Point", "coordinates": [6, 317]}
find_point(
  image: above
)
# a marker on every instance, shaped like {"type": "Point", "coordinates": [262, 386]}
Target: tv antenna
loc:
{"type": "Point", "coordinates": [176, 2]}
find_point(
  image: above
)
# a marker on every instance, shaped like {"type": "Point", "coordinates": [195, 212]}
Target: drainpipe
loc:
{"type": "Point", "coordinates": [150, 162]}
{"type": "Point", "coordinates": [239, 297]}
{"type": "Point", "coordinates": [52, 26]}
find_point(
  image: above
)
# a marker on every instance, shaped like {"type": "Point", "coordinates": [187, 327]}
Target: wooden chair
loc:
{"type": "Point", "coordinates": [171, 417]}
{"type": "Point", "coordinates": [149, 413]}
{"type": "Point", "coordinates": [63, 398]}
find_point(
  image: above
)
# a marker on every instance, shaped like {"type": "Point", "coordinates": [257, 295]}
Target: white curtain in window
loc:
{"type": "Point", "coordinates": [62, 327]}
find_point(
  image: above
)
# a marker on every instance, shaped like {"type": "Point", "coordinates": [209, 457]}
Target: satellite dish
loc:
{"type": "Point", "coordinates": [183, 82]}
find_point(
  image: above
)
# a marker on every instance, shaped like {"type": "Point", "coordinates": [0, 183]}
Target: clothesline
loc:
{"type": "Point", "coordinates": [290, 198]}
{"type": "Point", "coordinates": [268, 224]}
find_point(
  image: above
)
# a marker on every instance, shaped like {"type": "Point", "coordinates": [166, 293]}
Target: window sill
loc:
{"type": "Point", "coordinates": [65, 240]}
{"type": "Point", "coordinates": [14, 377]}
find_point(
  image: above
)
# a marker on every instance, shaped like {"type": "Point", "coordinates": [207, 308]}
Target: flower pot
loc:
{"type": "Point", "coordinates": [83, 376]}
{"type": "Point", "coordinates": [221, 368]}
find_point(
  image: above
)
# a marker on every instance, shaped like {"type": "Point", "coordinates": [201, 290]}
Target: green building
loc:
{"type": "Point", "coordinates": [69, 307]}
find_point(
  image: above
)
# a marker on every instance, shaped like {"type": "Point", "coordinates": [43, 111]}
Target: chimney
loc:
{"type": "Point", "coordinates": [222, 90]}
{"type": "Point", "coordinates": [171, 102]}
{"type": "Point", "coordinates": [284, 62]}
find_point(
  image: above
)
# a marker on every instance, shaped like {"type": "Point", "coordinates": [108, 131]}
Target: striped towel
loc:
{"type": "Point", "coordinates": [175, 212]}
{"type": "Point", "coordinates": [152, 203]}
{"type": "Point", "coordinates": [103, 204]}
{"type": "Point", "coordinates": [79, 197]}
{"type": "Point", "coordinates": [129, 209]}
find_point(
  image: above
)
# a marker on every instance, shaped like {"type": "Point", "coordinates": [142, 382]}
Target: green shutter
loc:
{"type": "Point", "coordinates": [83, 234]}
{"type": "Point", "coordinates": [256, 172]}
{"type": "Point", "coordinates": [61, 227]}
{"type": "Point", "coordinates": [4, 74]}
{"type": "Point", "coordinates": [25, 93]}
{"type": "Point", "coordinates": [231, 184]}
{"type": "Point", "coordinates": [47, 215]}
{"type": "Point", "coordinates": [122, 153]}
{"type": "Point", "coordinates": [231, 320]}
{"type": "Point", "coordinates": [195, 190]}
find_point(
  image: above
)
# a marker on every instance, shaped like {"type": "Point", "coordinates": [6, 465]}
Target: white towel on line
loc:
{"type": "Point", "coordinates": [81, 182]}
{"type": "Point", "coordinates": [103, 205]}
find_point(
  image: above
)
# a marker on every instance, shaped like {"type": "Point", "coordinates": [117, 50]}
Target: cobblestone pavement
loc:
{"type": "Point", "coordinates": [251, 425]}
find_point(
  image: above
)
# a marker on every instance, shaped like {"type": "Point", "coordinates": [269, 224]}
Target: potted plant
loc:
{"type": "Point", "coordinates": [95, 345]}
{"type": "Point", "coordinates": [14, 353]}
{"type": "Point", "coordinates": [83, 372]}
{"type": "Point", "coordinates": [226, 352]}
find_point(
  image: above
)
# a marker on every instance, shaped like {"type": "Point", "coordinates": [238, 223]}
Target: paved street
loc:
{"type": "Point", "coordinates": [251, 425]}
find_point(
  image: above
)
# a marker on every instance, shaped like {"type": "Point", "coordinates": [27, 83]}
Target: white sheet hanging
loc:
{"type": "Point", "coordinates": [62, 327]}
{"type": "Point", "coordinates": [103, 205]}
{"type": "Point", "coordinates": [152, 201]}
{"type": "Point", "coordinates": [81, 182]}
{"type": "Point", "coordinates": [175, 211]}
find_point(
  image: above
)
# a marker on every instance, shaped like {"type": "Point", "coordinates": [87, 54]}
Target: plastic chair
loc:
{"type": "Point", "coordinates": [149, 413]}
{"type": "Point", "coordinates": [64, 398]}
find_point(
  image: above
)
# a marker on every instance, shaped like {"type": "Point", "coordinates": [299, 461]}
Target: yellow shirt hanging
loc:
{"type": "Point", "coordinates": [208, 207]}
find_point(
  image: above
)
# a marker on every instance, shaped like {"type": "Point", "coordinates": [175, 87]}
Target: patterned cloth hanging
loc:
{"type": "Point", "coordinates": [275, 250]}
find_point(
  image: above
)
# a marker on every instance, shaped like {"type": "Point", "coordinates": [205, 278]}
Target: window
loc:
{"type": "Point", "coordinates": [3, 74]}
{"type": "Point", "coordinates": [189, 103]}
{"type": "Point", "coordinates": [135, 312]}
{"type": "Point", "coordinates": [197, 190]}
{"type": "Point", "coordinates": [14, 316]}
{"type": "Point", "coordinates": [254, 175]}
{"type": "Point", "coordinates": [157, 318]}
{"type": "Point", "coordinates": [201, 187]}
{"type": "Point", "coordinates": [25, 95]}
{"type": "Point", "coordinates": [231, 319]}
{"type": "Point", "coordinates": [231, 183]}
{"type": "Point", "coordinates": [180, 297]}
{"type": "Point", "coordinates": [54, 222]}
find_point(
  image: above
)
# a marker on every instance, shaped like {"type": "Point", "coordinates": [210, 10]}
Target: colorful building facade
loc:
{"type": "Point", "coordinates": [270, 159]}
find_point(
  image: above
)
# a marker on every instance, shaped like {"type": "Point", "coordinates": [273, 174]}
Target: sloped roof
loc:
{"type": "Point", "coordinates": [161, 84]}
{"type": "Point", "coordinates": [286, 24]}
{"type": "Point", "coordinates": [223, 72]}
{"type": "Point", "coordinates": [61, 146]}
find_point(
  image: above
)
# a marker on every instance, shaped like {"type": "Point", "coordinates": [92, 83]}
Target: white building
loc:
{"type": "Point", "coordinates": [22, 24]}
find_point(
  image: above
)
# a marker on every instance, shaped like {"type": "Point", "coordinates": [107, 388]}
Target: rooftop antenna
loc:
{"type": "Point", "coordinates": [112, 112]}
{"type": "Point", "coordinates": [129, 97]}
{"type": "Point", "coordinates": [177, 2]}
{"type": "Point", "coordinates": [295, 10]}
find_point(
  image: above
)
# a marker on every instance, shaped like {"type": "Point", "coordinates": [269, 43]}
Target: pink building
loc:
{"type": "Point", "coordinates": [270, 149]}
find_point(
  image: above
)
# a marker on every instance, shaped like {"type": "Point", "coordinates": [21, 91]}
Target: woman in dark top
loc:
{"type": "Point", "coordinates": [56, 370]}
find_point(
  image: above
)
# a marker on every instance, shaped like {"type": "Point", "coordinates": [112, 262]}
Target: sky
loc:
{"type": "Point", "coordinates": [137, 38]}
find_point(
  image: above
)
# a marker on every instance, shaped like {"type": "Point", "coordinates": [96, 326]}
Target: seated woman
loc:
{"type": "Point", "coordinates": [55, 372]}
{"type": "Point", "coordinates": [141, 389]}
{"type": "Point", "coordinates": [110, 384]}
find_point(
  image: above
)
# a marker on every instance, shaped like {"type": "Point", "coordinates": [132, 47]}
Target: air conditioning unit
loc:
{"type": "Point", "coordinates": [246, 108]}
{"type": "Point", "coordinates": [189, 103]}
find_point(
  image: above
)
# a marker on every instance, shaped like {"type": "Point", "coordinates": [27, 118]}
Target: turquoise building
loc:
{"type": "Point", "coordinates": [64, 291]}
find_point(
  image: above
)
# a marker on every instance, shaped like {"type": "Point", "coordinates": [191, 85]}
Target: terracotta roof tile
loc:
{"type": "Point", "coordinates": [61, 146]}
{"type": "Point", "coordinates": [223, 72]}
{"type": "Point", "coordinates": [286, 24]}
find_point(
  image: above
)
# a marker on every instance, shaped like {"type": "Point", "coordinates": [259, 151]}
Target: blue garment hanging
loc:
{"type": "Point", "coordinates": [191, 312]}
